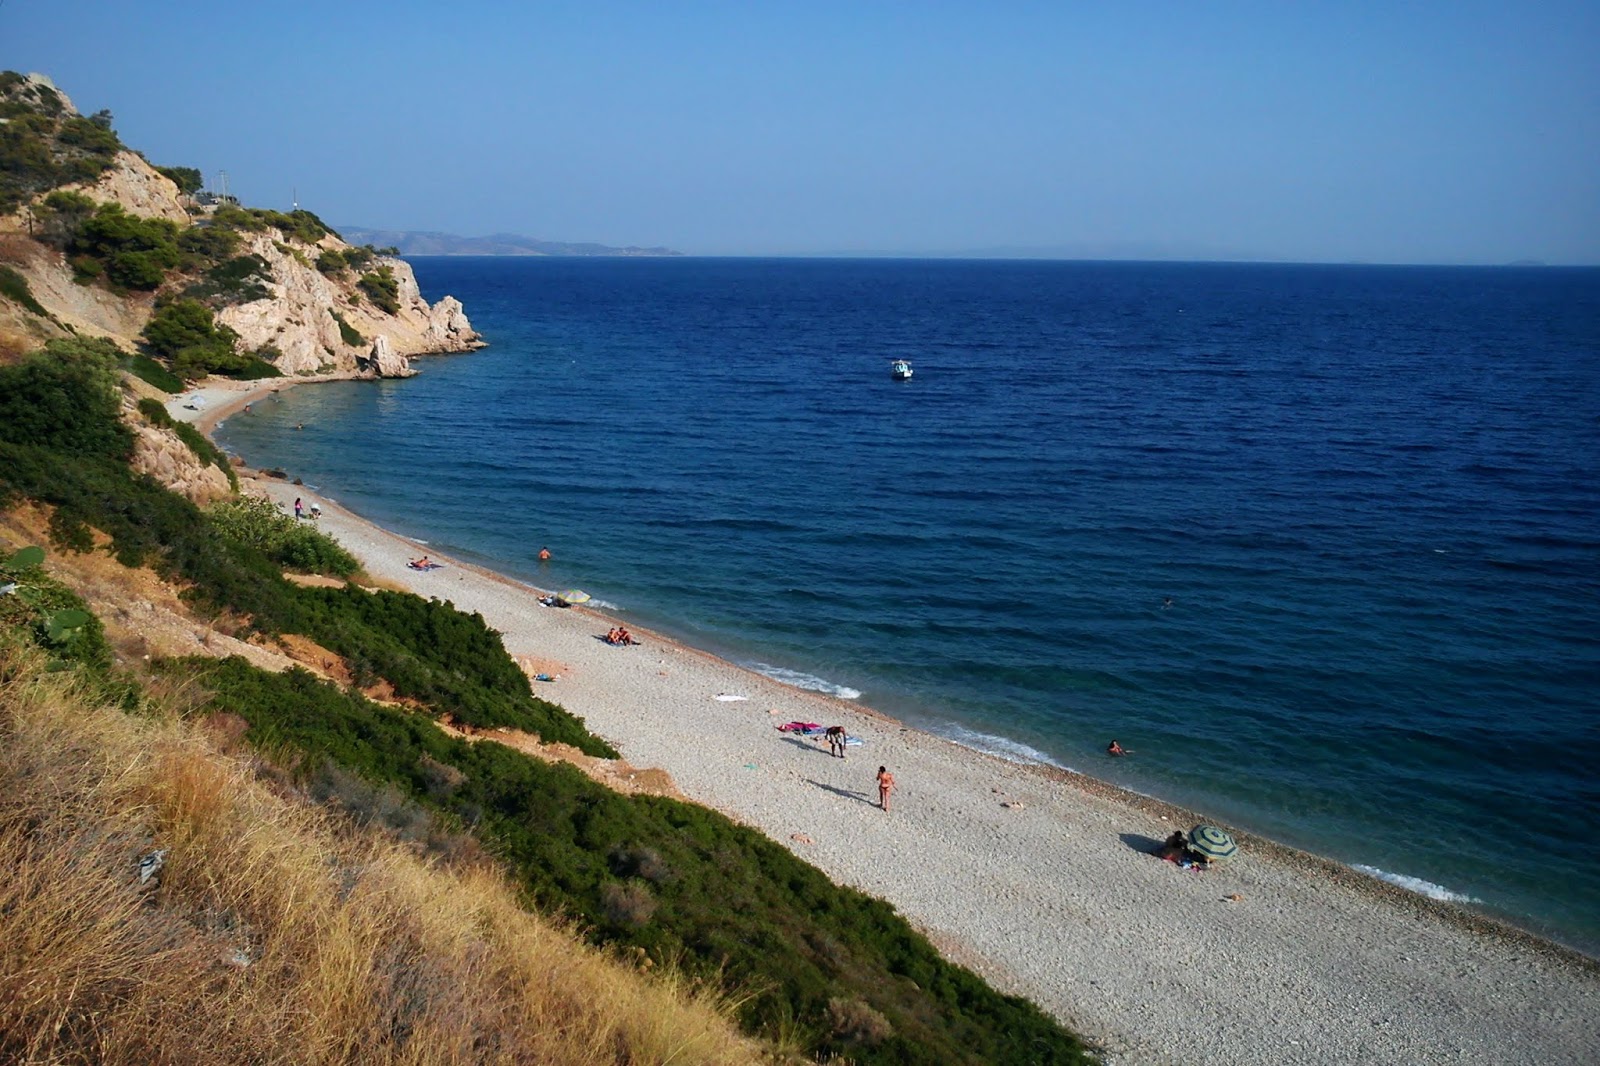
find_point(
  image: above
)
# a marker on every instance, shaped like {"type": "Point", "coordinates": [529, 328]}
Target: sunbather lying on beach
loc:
{"type": "Point", "coordinates": [424, 563]}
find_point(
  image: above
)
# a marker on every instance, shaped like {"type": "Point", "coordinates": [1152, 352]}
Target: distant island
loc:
{"type": "Point", "coordinates": [412, 242]}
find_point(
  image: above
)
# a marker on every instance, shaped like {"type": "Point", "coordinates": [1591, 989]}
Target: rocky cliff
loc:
{"type": "Point", "coordinates": [302, 319]}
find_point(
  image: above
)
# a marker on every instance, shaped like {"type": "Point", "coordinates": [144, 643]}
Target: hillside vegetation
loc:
{"type": "Point", "coordinates": [163, 904]}
{"type": "Point", "coordinates": [814, 967]}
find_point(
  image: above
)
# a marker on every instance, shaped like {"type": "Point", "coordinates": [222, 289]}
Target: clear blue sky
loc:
{"type": "Point", "coordinates": [1441, 132]}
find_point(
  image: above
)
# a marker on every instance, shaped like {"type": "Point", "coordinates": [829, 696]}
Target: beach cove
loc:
{"type": "Point", "coordinates": [1038, 879]}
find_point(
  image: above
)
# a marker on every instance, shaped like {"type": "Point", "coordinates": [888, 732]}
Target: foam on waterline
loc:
{"type": "Point", "coordinates": [602, 605]}
{"type": "Point", "coordinates": [1002, 747]}
{"type": "Point", "coordinates": [1417, 885]}
{"type": "Point", "coordinates": [795, 679]}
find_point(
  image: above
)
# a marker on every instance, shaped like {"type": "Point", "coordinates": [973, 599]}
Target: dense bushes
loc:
{"type": "Point", "coordinates": [188, 179]}
{"type": "Point", "coordinates": [151, 372]}
{"type": "Point", "coordinates": [239, 280]}
{"type": "Point", "coordinates": [42, 147]}
{"type": "Point", "coordinates": [14, 287]}
{"type": "Point", "coordinates": [185, 332]}
{"type": "Point", "coordinates": [290, 543]}
{"type": "Point", "coordinates": [128, 251]}
{"type": "Point", "coordinates": [829, 965]}
{"type": "Point", "coordinates": [347, 333]}
{"type": "Point", "coordinates": [382, 289]}
{"type": "Point", "coordinates": [66, 400]}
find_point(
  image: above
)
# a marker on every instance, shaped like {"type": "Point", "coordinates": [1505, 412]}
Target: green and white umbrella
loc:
{"type": "Point", "coordinates": [1212, 842]}
{"type": "Point", "coordinates": [573, 596]}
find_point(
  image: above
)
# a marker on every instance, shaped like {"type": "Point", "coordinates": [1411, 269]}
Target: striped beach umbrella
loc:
{"type": "Point", "coordinates": [1212, 842]}
{"type": "Point", "coordinates": [573, 596]}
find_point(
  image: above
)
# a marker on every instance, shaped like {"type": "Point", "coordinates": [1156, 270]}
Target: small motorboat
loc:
{"type": "Point", "coordinates": [900, 370]}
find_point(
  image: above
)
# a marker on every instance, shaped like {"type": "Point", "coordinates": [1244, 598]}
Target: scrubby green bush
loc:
{"type": "Point", "coordinates": [133, 252]}
{"type": "Point", "coordinates": [240, 280]}
{"type": "Point", "coordinates": [185, 332]}
{"type": "Point", "coordinates": [67, 399]}
{"type": "Point", "coordinates": [13, 286]}
{"type": "Point", "coordinates": [42, 147]}
{"type": "Point", "coordinates": [347, 333]}
{"type": "Point", "coordinates": [61, 215]}
{"type": "Point", "coordinates": [382, 289]}
{"type": "Point", "coordinates": [50, 614]}
{"type": "Point", "coordinates": [188, 179]}
{"type": "Point", "coordinates": [293, 544]}
{"type": "Point", "coordinates": [151, 372]}
{"type": "Point", "coordinates": [331, 262]}
{"type": "Point", "coordinates": [207, 242]}
{"type": "Point", "coordinates": [834, 968]}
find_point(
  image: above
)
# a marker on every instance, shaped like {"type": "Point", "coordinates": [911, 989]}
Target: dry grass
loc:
{"type": "Point", "coordinates": [271, 935]}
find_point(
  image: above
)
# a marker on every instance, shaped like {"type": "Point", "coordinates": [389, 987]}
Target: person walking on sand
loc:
{"type": "Point", "coordinates": [298, 507]}
{"type": "Point", "coordinates": [885, 786]}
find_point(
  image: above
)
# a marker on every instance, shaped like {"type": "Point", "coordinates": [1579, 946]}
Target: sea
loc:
{"type": "Point", "coordinates": [1319, 545]}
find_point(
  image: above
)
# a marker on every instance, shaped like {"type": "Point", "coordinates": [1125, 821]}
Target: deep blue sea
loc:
{"type": "Point", "coordinates": [1370, 494]}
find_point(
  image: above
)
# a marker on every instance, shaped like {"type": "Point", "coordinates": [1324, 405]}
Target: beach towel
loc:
{"type": "Point", "coordinates": [807, 728]}
{"type": "Point", "coordinates": [728, 698]}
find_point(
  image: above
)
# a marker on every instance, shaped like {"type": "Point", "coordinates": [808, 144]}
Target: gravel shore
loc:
{"type": "Point", "coordinates": [1044, 881]}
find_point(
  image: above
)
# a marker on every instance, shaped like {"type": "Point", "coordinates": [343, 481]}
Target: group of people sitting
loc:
{"type": "Point", "coordinates": [1176, 849]}
{"type": "Point", "coordinates": [620, 635]}
{"type": "Point", "coordinates": [424, 563]}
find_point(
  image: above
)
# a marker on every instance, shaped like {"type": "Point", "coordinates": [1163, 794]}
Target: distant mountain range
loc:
{"type": "Point", "coordinates": [412, 242]}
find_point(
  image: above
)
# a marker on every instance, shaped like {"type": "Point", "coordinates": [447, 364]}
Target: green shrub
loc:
{"type": "Point", "coordinates": [207, 242]}
{"type": "Point", "coordinates": [134, 252]}
{"type": "Point", "coordinates": [382, 289]}
{"type": "Point", "coordinates": [67, 399]}
{"type": "Point", "coordinates": [185, 332]}
{"type": "Point", "coordinates": [61, 215]}
{"type": "Point", "coordinates": [348, 333]}
{"type": "Point", "coordinates": [291, 543]}
{"type": "Point", "coordinates": [360, 257]}
{"type": "Point", "coordinates": [240, 280]}
{"type": "Point", "coordinates": [14, 287]}
{"type": "Point", "coordinates": [42, 147]}
{"type": "Point", "coordinates": [723, 900]}
{"type": "Point", "coordinates": [331, 262]}
{"type": "Point", "coordinates": [151, 372]}
{"type": "Point", "coordinates": [188, 179]}
{"type": "Point", "coordinates": [52, 616]}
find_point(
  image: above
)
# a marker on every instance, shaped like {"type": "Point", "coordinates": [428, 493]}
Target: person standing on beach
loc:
{"type": "Point", "coordinates": [298, 507]}
{"type": "Point", "coordinates": [836, 738]}
{"type": "Point", "coordinates": [885, 786]}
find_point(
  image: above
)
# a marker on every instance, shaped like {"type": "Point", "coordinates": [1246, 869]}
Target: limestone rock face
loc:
{"type": "Point", "coordinates": [384, 362]}
{"type": "Point", "coordinates": [139, 188]}
{"type": "Point", "coordinates": [164, 457]}
{"type": "Point", "coordinates": [298, 318]}
{"type": "Point", "coordinates": [295, 327]}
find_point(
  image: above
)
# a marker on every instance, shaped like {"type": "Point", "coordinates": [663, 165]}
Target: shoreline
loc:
{"type": "Point", "coordinates": [1037, 877]}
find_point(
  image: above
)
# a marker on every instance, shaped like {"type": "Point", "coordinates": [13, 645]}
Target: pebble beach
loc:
{"type": "Point", "coordinates": [1043, 881]}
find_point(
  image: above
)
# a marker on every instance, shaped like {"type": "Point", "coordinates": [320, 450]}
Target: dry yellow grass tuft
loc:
{"type": "Point", "coordinates": [269, 934]}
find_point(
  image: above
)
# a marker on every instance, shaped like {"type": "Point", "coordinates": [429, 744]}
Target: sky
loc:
{"type": "Point", "coordinates": [1391, 132]}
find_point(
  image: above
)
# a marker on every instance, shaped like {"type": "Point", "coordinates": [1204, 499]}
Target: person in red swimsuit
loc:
{"type": "Point", "coordinates": [885, 786]}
